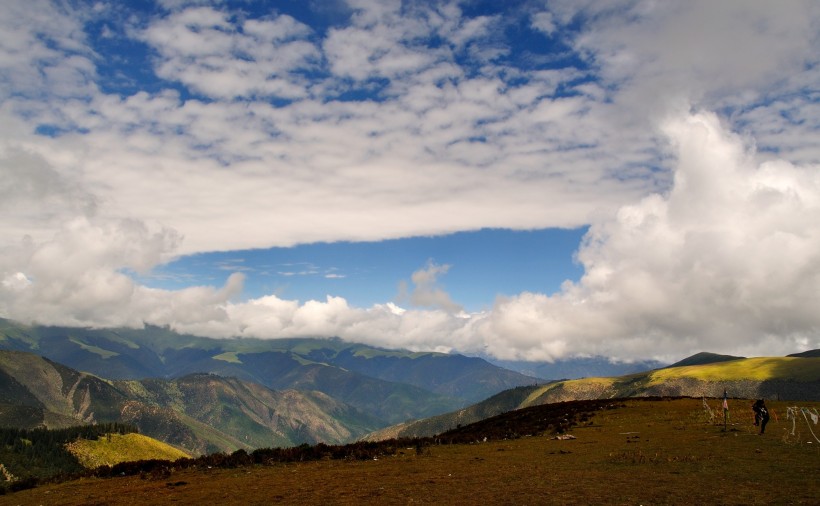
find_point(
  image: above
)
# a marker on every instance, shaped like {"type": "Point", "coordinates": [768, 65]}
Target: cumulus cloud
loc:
{"type": "Point", "coordinates": [408, 120]}
{"type": "Point", "coordinates": [726, 261]}
{"type": "Point", "coordinates": [80, 277]}
{"type": "Point", "coordinates": [28, 178]}
{"type": "Point", "coordinates": [77, 277]}
{"type": "Point", "coordinates": [427, 291]}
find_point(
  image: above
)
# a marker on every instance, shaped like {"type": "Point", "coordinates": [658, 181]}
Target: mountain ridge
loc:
{"type": "Point", "coordinates": [781, 378]}
{"type": "Point", "coordinates": [199, 413]}
{"type": "Point", "coordinates": [393, 385]}
{"type": "Point", "coordinates": [703, 358]}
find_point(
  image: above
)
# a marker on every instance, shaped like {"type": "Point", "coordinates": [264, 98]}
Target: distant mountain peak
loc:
{"type": "Point", "coordinates": [806, 354]}
{"type": "Point", "coordinates": [702, 358]}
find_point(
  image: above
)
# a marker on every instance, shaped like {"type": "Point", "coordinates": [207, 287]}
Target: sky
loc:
{"type": "Point", "coordinates": [524, 180]}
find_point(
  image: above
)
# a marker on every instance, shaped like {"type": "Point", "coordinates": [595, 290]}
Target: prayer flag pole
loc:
{"type": "Point", "coordinates": [725, 410]}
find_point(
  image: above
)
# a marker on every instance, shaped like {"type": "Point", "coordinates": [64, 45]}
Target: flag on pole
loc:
{"type": "Point", "coordinates": [725, 410]}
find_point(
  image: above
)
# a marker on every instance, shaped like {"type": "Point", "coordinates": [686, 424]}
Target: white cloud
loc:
{"type": "Point", "coordinates": [380, 43]}
{"type": "Point", "coordinates": [27, 178]}
{"type": "Point", "coordinates": [726, 261]}
{"type": "Point", "coordinates": [427, 291]}
{"type": "Point", "coordinates": [78, 276]}
{"type": "Point", "coordinates": [542, 21]}
{"type": "Point", "coordinates": [205, 50]}
{"type": "Point", "coordinates": [43, 51]}
{"type": "Point", "coordinates": [716, 254]}
{"type": "Point", "coordinates": [16, 282]}
{"type": "Point", "coordinates": [663, 57]}
{"type": "Point", "coordinates": [446, 152]}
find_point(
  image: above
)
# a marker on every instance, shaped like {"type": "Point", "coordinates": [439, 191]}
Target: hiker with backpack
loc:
{"type": "Point", "coordinates": [761, 414]}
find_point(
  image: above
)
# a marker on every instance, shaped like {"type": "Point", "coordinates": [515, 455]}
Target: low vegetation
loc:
{"type": "Point", "coordinates": [31, 455]}
{"type": "Point", "coordinates": [705, 375]}
{"type": "Point", "coordinates": [757, 369]}
{"type": "Point", "coordinates": [625, 451]}
{"type": "Point", "coordinates": [116, 448]}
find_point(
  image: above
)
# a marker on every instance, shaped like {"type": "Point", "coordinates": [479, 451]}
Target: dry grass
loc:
{"type": "Point", "coordinates": [116, 448]}
{"type": "Point", "coordinates": [649, 452]}
{"type": "Point", "coordinates": [756, 369]}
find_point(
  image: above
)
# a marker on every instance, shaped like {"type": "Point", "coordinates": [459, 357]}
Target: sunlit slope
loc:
{"type": "Point", "coordinates": [116, 448]}
{"type": "Point", "coordinates": [776, 377]}
{"type": "Point", "coordinates": [757, 369]}
{"type": "Point", "coordinates": [785, 378]}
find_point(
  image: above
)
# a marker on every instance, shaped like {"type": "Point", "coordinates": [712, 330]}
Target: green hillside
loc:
{"type": "Point", "coordinates": [756, 369]}
{"type": "Point", "coordinates": [42, 453]}
{"type": "Point", "coordinates": [115, 448]}
{"type": "Point", "coordinates": [245, 415]}
{"type": "Point", "coordinates": [393, 385]}
{"type": "Point", "coordinates": [503, 402]}
{"type": "Point", "coordinates": [201, 413]}
{"type": "Point", "coordinates": [783, 378]}
{"type": "Point", "coordinates": [704, 358]}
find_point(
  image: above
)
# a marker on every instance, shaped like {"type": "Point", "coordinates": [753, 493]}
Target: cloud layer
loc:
{"type": "Point", "coordinates": [726, 260]}
{"type": "Point", "coordinates": [684, 134]}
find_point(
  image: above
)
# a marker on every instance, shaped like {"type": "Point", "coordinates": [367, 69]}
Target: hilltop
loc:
{"type": "Point", "coordinates": [116, 448]}
{"type": "Point", "coordinates": [810, 353]}
{"type": "Point", "coordinates": [704, 358]}
{"type": "Point", "coordinates": [786, 378]}
{"type": "Point", "coordinates": [37, 454]}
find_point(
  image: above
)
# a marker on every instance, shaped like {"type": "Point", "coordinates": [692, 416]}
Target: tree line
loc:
{"type": "Point", "coordinates": [30, 455]}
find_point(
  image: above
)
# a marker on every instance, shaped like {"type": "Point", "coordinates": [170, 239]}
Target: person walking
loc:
{"type": "Point", "coordinates": [761, 414]}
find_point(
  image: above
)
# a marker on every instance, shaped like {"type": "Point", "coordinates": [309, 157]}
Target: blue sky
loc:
{"type": "Point", "coordinates": [480, 266]}
{"type": "Point", "coordinates": [533, 180]}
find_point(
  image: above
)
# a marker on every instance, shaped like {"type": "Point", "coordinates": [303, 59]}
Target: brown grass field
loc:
{"type": "Point", "coordinates": [647, 452]}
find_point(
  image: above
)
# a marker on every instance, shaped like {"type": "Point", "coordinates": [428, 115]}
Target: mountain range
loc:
{"type": "Point", "coordinates": [795, 377]}
{"type": "Point", "coordinates": [206, 395]}
{"type": "Point", "coordinates": [391, 386]}
{"type": "Point", "coordinates": [200, 413]}
{"type": "Point", "coordinates": [579, 367]}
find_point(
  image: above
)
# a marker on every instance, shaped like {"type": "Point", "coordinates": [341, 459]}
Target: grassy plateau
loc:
{"type": "Point", "coordinates": [670, 451]}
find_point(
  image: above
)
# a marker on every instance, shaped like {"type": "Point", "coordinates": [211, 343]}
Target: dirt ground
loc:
{"type": "Point", "coordinates": [659, 452]}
